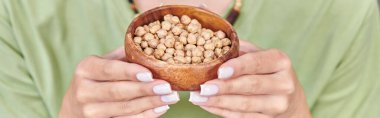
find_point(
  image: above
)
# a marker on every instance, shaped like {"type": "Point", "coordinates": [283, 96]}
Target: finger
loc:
{"type": "Point", "coordinates": [153, 113]}
{"type": "Point", "coordinates": [279, 83]}
{"type": "Point", "coordinates": [267, 104]}
{"type": "Point", "coordinates": [100, 69]}
{"type": "Point", "coordinates": [117, 54]}
{"type": "Point", "coordinates": [259, 62]}
{"type": "Point", "coordinates": [232, 114]}
{"type": "Point", "coordinates": [120, 90]}
{"type": "Point", "coordinates": [128, 108]}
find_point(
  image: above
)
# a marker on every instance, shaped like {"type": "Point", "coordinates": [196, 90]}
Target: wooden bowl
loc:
{"type": "Point", "coordinates": [184, 77]}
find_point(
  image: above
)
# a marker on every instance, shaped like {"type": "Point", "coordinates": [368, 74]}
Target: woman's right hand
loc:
{"type": "Point", "coordinates": [108, 87]}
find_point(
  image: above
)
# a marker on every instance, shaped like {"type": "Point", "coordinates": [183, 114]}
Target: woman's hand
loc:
{"type": "Point", "coordinates": [108, 87]}
{"type": "Point", "coordinates": [258, 83]}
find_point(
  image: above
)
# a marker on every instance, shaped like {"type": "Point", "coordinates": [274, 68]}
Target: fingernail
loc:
{"type": "Point", "coordinates": [195, 97]}
{"type": "Point", "coordinates": [162, 89]}
{"type": "Point", "coordinates": [144, 76]}
{"type": "Point", "coordinates": [225, 72]}
{"type": "Point", "coordinates": [173, 97]}
{"type": "Point", "coordinates": [161, 109]}
{"type": "Point", "coordinates": [209, 89]}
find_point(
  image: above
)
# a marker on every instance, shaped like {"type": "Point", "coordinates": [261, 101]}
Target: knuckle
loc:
{"type": "Point", "coordinates": [215, 101]}
{"type": "Point", "coordinates": [115, 92]}
{"type": "Point", "coordinates": [88, 111]}
{"type": "Point", "coordinates": [284, 60]}
{"type": "Point", "coordinates": [143, 90]}
{"type": "Point", "coordinates": [82, 68]}
{"type": "Point", "coordinates": [281, 106]}
{"type": "Point", "coordinates": [254, 85]}
{"type": "Point", "coordinates": [155, 101]}
{"type": "Point", "coordinates": [289, 86]}
{"type": "Point", "coordinates": [107, 69]}
{"type": "Point", "coordinates": [81, 95]}
{"type": "Point", "coordinates": [246, 105]}
{"type": "Point", "coordinates": [127, 108]}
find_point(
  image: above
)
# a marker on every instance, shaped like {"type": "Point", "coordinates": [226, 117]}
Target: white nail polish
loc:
{"type": "Point", "coordinates": [209, 89]}
{"type": "Point", "coordinates": [173, 97]}
{"type": "Point", "coordinates": [225, 72]}
{"type": "Point", "coordinates": [162, 89]}
{"type": "Point", "coordinates": [161, 109]}
{"type": "Point", "coordinates": [144, 76]}
{"type": "Point", "coordinates": [195, 97]}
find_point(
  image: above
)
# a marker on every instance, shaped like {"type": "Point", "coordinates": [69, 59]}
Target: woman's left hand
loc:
{"type": "Point", "coordinates": [258, 83]}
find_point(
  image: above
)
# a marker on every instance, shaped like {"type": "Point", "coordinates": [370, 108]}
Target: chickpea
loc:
{"type": "Point", "coordinates": [179, 53]}
{"type": "Point", "coordinates": [176, 30]}
{"type": "Point", "coordinates": [185, 19]}
{"type": "Point", "coordinates": [154, 28]}
{"type": "Point", "coordinates": [180, 59]}
{"type": "Point", "coordinates": [188, 53]}
{"type": "Point", "coordinates": [201, 41]}
{"type": "Point", "coordinates": [170, 50]}
{"type": "Point", "coordinates": [158, 53]}
{"type": "Point", "coordinates": [144, 44]}
{"type": "Point", "coordinates": [194, 21]}
{"type": "Point", "coordinates": [208, 54]}
{"type": "Point", "coordinates": [178, 46]}
{"type": "Point", "coordinates": [182, 39]}
{"type": "Point", "coordinates": [218, 43]}
{"type": "Point", "coordinates": [191, 39]}
{"type": "Point", "coordinates": [192, 28]}
{"type": "Point", "coordinates": [197, 52]}
{"type": "Point", "coordinates": [190, 47]}
{"type": "Point", "coordinates": [140, 31]}
{"type": "Point", "coordinates": [207, 34]}
{"type": "Point", "coordinates": [201, 48]}
{"type": "Point", "coordinates": [207, 60]}
{"type": "Point", "coordinates": [153, 43]}
{"type": "Point", "coordinates": [209, 46]}
{"type": "Point", "coordinates": [162, 33]}
{"type": "Point", "coordinates": [168, 17]}
{"type": "Point", "coordinates": [137, 40]}
{"type": "Point", "coordinates": [166, 25]}
{"type": "Point", "coordinates": [225, 49]}
{"type": "Point", "coordinates": [148, 51]}
{"type": "Point", "coordinates": [166, 56]}
{"type": "Point", "coordinates": [161, 46]}
{"type": "Point", "coordinates": [226, 42]}
{"type": "Point", "coordinates": [188, 60]}
{"type": "Point", "coordinates": [169, 43]}
{"type": "Point", "coordinates": [171, 61]}
{"type": "Point", "coordinates": [146, 28]}
{"type": "Point", "coordinates": [220, 34]}
{"type": "Point", "coordinates": [184, 33]}
{"type": "Point", "coordinates": [196, 60]}
{"type": "Point", "coordinates": [218, 52]}
{"type": "Point", "coordinates": [174, 20]}
{"type": "Point", "coordinates": [148, 36]}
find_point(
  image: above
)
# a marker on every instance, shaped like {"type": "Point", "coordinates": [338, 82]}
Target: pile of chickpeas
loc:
{"type": "Point", "coordinates": [180, 41]}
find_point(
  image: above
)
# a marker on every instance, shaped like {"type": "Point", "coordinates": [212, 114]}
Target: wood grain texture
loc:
{"type": "Point", "coordinates": [183, 77]}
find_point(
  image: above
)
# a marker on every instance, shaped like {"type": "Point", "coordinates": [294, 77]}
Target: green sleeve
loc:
{"type": "Point", "coordinates": [19, 97]}
{"type": "Point", "coordinates": [353, 89]}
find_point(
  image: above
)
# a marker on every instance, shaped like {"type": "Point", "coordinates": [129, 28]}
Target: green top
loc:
{"type": "Point", "coordinates": [334, 46]}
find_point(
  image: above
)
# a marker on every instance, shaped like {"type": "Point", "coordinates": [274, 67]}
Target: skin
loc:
{"type": "Point", "coordinates": [106, 87]}
{"type": "Point", "coordinates": [267, 87]}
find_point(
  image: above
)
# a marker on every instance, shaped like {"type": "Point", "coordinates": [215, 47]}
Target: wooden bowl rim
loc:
{"type": "Point", "coordinates": [233, 36]}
